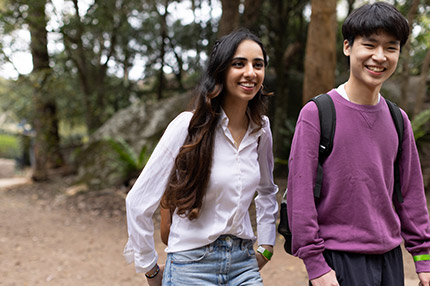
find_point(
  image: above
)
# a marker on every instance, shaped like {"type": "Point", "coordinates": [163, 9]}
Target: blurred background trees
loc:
{"type": "Point", "coordinates": [91, 59]}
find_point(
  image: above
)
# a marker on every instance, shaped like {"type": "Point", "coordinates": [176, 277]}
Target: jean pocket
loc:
{"type": "Point", "coordinates": [248, 247]}
{"type": "Point", "coordinates": [190, 256]}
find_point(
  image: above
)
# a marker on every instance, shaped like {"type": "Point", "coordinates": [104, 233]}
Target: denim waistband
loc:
{"type": "Point", "coordinates": [231, 241]}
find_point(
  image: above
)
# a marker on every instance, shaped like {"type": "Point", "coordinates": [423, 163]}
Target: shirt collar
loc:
{"type": "Point", "coordinates": [251, 126]}
{"type": "Point", "coordinates": [341, 90]}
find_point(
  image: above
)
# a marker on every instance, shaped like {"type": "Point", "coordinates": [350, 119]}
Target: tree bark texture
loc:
{"type": "Point", "coordinates": [47, 140]}
{"type": "Point", "coordinates": [406, 56]}
{"type": "Point", "coordinates": [251, 14]}
{"type": "Point", "coordinates": [320, 57]}
{"type": "Point", "coordinates": [230, 17]}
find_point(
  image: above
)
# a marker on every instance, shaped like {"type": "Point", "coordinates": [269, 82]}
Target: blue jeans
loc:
{"type": "Point", "coordinates": [227, 261]}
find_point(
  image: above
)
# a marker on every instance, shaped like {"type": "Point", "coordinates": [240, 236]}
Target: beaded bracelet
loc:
{"type": "Point", "coordinates": [150, 276]}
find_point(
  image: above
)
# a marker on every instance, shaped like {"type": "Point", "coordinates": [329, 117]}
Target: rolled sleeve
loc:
{"type": "Point", "coordinates": [145, 195]}
{"type": "Point", "coordinates": [265, 202]}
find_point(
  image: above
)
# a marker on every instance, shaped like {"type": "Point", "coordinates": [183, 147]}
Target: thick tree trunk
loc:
{"type": "Point", "coordinates": [404, 76]}
{"type": "Point", "coordinates": [229, 18]}
{"type": "Point", "coordinates": [251, 14]}
{"type": "Point", "coordinates": [320, 58]}
{"type": "Point", "coordinates": [47, 140]}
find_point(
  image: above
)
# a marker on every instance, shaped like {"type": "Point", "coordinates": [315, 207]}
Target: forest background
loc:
{"type": "Point", "coordinates": [68, 66]}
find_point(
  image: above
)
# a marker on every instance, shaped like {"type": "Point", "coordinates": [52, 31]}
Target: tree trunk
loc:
{"type": "Point", "coordinates": [422, 88]}
{"type": "Point", "coordinates": [320, 58]}
{"type": "Point", "coordinates": [350, 6]}
{"type": "Point", "coordinates": [280, 102]}
{"type": "Point", "coordinates": [251, 14]}
{"type": "Point", "coordinates": [91, 56]}
{"type": "Point", "coordinates": [229, 18]}
{"type": "Point", "coordinates": [404, 75]}
{"type": "Point", "coordinates": [47, 140]}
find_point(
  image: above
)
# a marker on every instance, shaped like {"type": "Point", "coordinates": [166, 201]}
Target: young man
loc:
{"type": "Point", "coordinates": [351, 235]}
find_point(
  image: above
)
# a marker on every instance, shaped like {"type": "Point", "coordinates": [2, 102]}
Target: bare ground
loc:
{"type": "Point", "coordinates": [51, 235]}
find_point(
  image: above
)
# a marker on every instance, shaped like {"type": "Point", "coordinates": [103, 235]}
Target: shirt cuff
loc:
{"type": "Point", "coordinates": [316, 266]}
{"type": "Point", "coordinates": [142, 263]}
{"type": "Point", "coordinates": [422, 264]}
{"type": "Point", "coordinates": [266, 234]}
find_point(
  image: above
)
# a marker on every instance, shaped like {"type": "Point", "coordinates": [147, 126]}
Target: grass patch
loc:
{"type": "Point", "coordinates": [9, 146]}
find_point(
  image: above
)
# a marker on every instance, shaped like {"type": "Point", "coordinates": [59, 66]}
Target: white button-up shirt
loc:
{"type": "Point", "coordinates": [236, 175]}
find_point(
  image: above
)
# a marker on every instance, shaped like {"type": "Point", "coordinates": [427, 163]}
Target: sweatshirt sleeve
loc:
{"type": "Point", "coordinates": [145, 195]}
{"type": "Point", "coordinates": [302, 214]}
{"type": "Point", "coordinates": [265, 202]}
{"type": "Point", "coordinates": [413, 212]}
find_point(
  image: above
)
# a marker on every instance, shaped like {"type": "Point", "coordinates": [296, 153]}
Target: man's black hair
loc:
{"type": "Point", "coordinates": [375, 18]}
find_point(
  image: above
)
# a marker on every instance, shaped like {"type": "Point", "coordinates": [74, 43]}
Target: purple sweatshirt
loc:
{"type": "Point", "coordinates": [355, 212]}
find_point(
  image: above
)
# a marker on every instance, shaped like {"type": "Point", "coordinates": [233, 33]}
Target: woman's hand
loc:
{"type": "Point", "coordinates": [156, 281]}
{"type": "Point", "coordinates": [261, 260]}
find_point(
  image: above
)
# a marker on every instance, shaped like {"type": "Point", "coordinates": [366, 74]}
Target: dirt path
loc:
{"type": "Point", "coordinates": [48, 238]}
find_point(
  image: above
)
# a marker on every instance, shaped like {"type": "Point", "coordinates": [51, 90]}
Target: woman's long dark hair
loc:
{"type": "Point", "coordinates": [190, 175]}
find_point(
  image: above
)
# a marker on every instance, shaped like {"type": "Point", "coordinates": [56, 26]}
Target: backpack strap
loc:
{"type": "Point", "coordinates": [327, 116]}
{"type": "Point", "coordinates": [396, 114]}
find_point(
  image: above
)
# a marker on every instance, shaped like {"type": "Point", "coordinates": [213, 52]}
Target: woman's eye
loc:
{"type": "Point", "coordinates": [237, 64]}
{"type": "Point", "coordinates": [259, 65]}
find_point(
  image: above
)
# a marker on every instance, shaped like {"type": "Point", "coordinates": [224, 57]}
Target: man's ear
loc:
{"type": "Point", "coordinates": [346, 48]}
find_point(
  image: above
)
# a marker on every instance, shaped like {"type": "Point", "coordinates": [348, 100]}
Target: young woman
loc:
{"type": "Point", "coordinates": [206, 168]}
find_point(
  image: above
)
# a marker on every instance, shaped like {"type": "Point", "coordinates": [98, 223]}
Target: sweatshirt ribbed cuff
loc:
{"type": "Point", "coordinates": [422, 266]}
{"type": "Point", "coordinates": [316, 266]}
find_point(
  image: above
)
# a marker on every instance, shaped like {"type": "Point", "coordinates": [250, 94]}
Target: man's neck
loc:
{"type": "Point", "coordinates": [362, 94]}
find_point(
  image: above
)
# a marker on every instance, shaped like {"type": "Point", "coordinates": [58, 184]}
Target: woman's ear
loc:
{"type": "Point", "coordinates": [346, 48]}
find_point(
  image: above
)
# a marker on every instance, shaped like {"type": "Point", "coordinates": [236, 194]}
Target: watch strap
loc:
{"type": "Point", "coordinates": [266, 253]}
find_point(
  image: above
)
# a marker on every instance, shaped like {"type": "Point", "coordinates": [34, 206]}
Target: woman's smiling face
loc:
{"type": "Point", "coordinates": [245, 75]}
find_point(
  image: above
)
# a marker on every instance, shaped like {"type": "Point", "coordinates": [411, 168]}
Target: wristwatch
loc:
{"type": "Point", "coordinates": [266, 253]}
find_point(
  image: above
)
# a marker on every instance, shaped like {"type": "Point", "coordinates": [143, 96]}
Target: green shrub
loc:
{"type": "Point", "coordinates": [135, 162]}
{"type": "Point", "coordinates": [421, 124]}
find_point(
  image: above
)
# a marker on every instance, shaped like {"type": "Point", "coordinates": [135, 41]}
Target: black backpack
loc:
{"type": "Point", "coordinates": [327, 116]}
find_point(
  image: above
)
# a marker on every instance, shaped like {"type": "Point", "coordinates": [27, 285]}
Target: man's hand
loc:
{"type": "Point", "coordinates": [424, 278]}
{"type": "Point", "coordinates": [328, 279]}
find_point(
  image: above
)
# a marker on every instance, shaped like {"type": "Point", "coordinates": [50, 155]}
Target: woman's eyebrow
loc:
{"type": "Point", "coordinates": [245, 59]}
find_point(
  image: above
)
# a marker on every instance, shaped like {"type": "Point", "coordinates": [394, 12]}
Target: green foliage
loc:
{"type": "Point", "coordinates": [421, 124]}
{"type": "Point", "coordinates": [134, 162]}
{"type": "Point", "coordinates": [421, 41]}
{"type": "Point", "coordinates": [9, 146]}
